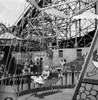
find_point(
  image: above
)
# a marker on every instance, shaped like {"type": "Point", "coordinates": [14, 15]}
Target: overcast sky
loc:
{"type": "Point", "coordinates": [10, 10]}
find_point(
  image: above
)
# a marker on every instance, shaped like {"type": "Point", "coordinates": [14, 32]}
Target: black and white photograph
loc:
{"type": "Point", "coordinates": [48, 49]}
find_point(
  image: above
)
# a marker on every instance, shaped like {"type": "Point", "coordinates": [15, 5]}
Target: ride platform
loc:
{"type": "Point", "coordinates": [59, 94]}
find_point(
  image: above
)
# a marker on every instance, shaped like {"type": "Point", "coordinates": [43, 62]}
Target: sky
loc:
{"type": "Point", "coordinates": [10, 10]}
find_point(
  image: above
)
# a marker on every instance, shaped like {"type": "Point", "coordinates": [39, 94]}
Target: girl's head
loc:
{"type": "Point", "coordinates": [46, 68]}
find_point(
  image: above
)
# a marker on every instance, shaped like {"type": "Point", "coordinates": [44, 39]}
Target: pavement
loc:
{"type": "Point", "coordinates": [59, 94]}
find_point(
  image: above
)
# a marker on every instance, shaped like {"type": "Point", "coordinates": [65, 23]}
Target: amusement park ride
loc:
{"type": "Point", "coordinates": [51, 24]}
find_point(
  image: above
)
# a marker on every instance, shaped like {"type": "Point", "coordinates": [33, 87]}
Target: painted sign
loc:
{"type": "Point", "coordinates": [87, 87]}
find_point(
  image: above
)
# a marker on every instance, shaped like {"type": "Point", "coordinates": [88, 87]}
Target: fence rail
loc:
{"type": "Point", "coordinates": [23, 83]}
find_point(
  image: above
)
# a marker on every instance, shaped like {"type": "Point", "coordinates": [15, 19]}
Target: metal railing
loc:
{"type": "Point", "coordinates": [23, 83]}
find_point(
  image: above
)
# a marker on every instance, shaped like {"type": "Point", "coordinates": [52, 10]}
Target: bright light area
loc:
{"type": "Point", "coordinates": [10, 10]}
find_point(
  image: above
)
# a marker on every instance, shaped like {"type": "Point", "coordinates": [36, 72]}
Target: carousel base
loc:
{"type": "Point", "coordinates": [8, 93]}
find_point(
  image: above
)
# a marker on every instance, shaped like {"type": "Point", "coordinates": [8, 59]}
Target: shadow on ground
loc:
{"type": "Point", "coordinates": [43, 94]}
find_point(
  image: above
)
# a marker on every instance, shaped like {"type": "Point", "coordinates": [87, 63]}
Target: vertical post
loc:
{"type": "Point", "coordinates": [79, 19]}
{"type": "Point", "coordinates": [62, 81]}
{"type": "Point", "coordinates": [96, 12]}
{"type": "Point", "coordinates": [57, 32]}
{"type": "Point", "coordinates": [29, 83]}
{"type": "Point", "coordinates": [72, 78]}
{"type": "Point", "coordinates": [76, 35]}
{"type": "Point", "coordinates": [65, 78]}
{"type": "Point", "coordinates": [22, 83]}
{"type": "Point", "coordinates": [75, 45]}
{"type": "Point", "coordinates": [18, 83]}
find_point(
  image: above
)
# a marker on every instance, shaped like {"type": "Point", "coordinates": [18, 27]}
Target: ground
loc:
{"type": "Point", "coordinates": [60, 94]}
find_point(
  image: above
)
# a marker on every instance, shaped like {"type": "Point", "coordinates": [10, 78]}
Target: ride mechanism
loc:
{"type": "Point", "coordinates": [9, 93]}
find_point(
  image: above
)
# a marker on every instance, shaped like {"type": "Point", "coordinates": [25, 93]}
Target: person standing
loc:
{"type": "Point", "coordinates": [62, 66]}
{"type": "Point", "coordinates": [38, 65]}
{"type": "Point", "coordinates": [31, 66]}
{"type": "Point", "coordinates": [62, 63]}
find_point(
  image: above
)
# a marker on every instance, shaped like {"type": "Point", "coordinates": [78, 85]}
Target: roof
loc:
{"type": "Point", "coordinates": [8, 35]}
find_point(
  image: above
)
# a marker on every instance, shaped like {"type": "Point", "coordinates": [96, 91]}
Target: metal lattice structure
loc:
{"type": "Point", "coordinates": [3, 28]}
{"type": "Point", "coordinates": [61, 32]}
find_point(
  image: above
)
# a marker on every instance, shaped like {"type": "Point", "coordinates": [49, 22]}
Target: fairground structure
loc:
{"type": "Point", "coordinates": [47, 30]}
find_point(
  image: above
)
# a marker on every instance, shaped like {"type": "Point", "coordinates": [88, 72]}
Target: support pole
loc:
{"type": "Point", "coordinates": [96, 12]}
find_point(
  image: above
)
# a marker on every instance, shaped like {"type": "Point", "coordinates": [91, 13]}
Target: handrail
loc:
{"type": "Point", "coordinates": [23, 83]}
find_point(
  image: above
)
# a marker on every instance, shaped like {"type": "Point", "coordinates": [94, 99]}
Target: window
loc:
{"type": "Point", "coordinates": [79, 52]}
{"type": "Point", "coordinates": [60, 53]}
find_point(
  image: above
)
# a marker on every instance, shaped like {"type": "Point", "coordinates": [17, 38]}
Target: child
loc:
{"type": "Point", "coordinates": [44, 75]}
{"type": "Point", "coordinates": [62, 67]}
{"type": "Point", "coordinates": [25, 69]}
{"type": "Point", "coordinates": [46, 72]}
